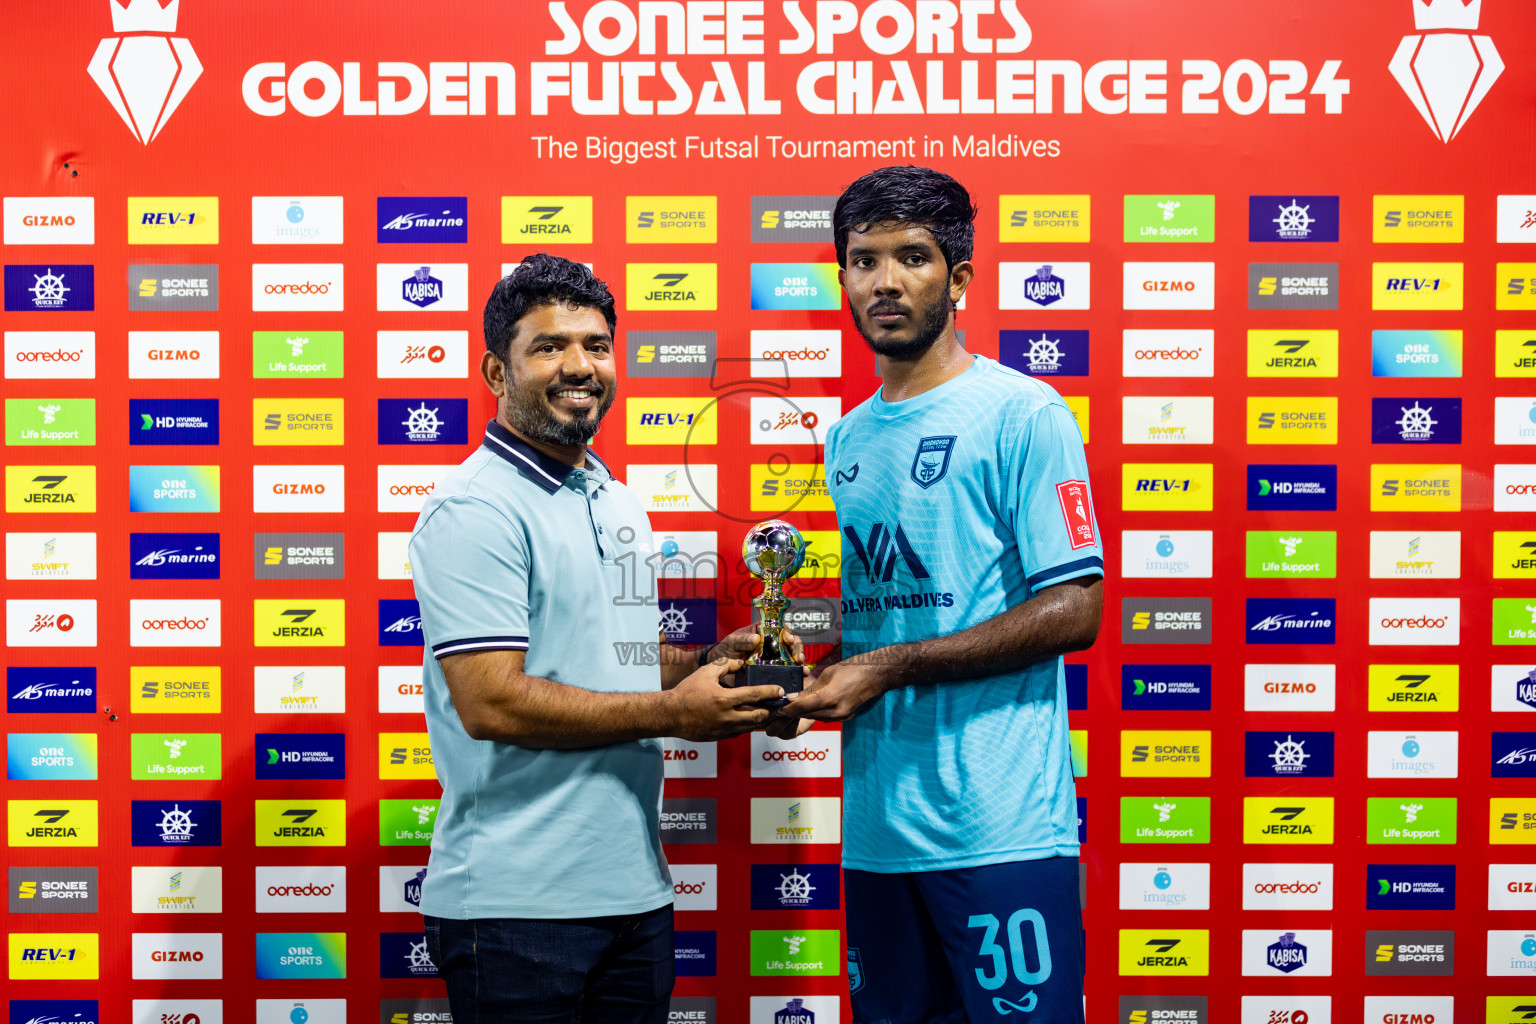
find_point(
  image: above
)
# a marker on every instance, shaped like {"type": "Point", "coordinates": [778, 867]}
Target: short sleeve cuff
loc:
{"type": "Point", "coordinates": [479, 643]}
{"type": "Point", "coordinates": [1090, 565]}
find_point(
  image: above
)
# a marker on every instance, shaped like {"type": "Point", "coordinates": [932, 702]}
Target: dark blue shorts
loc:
{"type": "Point", "coordinates": [972, 944]}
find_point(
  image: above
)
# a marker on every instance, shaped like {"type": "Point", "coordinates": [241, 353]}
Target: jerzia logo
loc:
{"type": "Point", "coordinates": [878, 552]}
{"type": "Point", "coordinates": [1448, 73]}
{"type": "Point", "coordinates": [145, 77]}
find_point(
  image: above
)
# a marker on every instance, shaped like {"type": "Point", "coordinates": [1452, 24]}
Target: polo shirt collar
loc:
{"type": "Point", "coordinates": [548, 473]}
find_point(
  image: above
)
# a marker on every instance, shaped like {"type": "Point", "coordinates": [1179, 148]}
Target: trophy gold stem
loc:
{"type": "Point", "coordinates": [774, 605]}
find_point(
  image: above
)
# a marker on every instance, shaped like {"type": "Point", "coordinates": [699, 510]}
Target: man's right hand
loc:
{"type": "Point", "coordinates": [705, 710]}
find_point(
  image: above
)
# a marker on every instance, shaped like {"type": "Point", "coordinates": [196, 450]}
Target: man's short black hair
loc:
{"type": "Point", "coordinates": [541, 280]}
{"type": "Point", "coordinates": [908, 195]}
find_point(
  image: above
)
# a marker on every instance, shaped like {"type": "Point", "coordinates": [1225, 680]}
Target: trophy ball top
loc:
{"type": "Point", "coordinates": [774, 548]}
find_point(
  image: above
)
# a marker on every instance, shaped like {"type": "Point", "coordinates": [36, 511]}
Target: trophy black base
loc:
{"type": "Point", "coordinates": [790, 678]}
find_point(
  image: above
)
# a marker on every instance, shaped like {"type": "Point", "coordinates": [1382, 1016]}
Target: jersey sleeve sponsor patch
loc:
{"type": "Point", "coordinates": [1077, 511]}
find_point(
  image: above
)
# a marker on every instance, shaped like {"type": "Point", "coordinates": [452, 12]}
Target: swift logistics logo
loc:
{"type": "Point", "coordinates": [1167, 419]}
{"type": "Point", "coordinates": [54, 555]}
{"type": "Point", "coordinates": [1293, 353]}
{"type": "Point", "coordinates": [1293, 218]}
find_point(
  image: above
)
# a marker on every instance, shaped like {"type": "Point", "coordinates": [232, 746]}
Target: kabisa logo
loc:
{"type": "Point", "coordinates": [49, 289]}
{"type": "Point", "coordinates": [1282, 620]}
{"type": "Point", "coordinates": [400, 623]}
{"type": "Point", "coordinates": [173, 556]}
{"type": "Point", "coordinates": [50, 690]}
{"type": "Point", "coordinates": [421, 288]}
{"type": "Point", "coordinates": [423, 219]}
{"type": "Point", "coordinates": [1288, 755]}
{"type": "Point", "coordinates": [1447, 73]}
{"type": "Point", "coordinates": [147, 75]}
{"type": "Point", "coordinates": [177, 824]}
{"type": "Point", "coordinates": [1044, 287]}
{"type": "Point", "coordinates": [1045, 353]}
{"type": "Point", "coordinates": [1286, 954]}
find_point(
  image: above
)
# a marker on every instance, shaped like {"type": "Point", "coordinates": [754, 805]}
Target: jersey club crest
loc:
{"type": "Point", "coordinates": [932, 460]}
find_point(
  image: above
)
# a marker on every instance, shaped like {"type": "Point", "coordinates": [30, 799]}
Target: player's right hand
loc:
{"type": "Point", "coordinates": [704, 710]}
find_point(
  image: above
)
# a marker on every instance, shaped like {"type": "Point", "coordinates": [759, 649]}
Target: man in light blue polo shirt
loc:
{"type": "Point", "coordinates": [547, 896]}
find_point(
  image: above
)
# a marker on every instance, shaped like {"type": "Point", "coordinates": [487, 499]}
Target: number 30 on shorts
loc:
{"type": "Point", "coordinates": [1017, 954]}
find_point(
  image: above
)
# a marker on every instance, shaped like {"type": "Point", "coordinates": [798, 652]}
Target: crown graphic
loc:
{"type": "Point", "coordinates": [149, 16]}
{"type": "Point", "coordinates": [1453, 14]}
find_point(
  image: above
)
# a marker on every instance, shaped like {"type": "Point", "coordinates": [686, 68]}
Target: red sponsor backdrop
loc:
{"type": "Point", "coordinates": [65, 139]}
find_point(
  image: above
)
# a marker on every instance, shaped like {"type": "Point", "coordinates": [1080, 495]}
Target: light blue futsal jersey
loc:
{"type": "Point", "coordinates": [515, 551]}
{"type": "Point", "coordinates": [954, 506]}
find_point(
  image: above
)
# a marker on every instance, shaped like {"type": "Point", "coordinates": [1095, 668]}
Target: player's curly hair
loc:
{"type": "Point", "coordinates": [541, 279]}
{"type": "Point", "coordinates": [908, 195]}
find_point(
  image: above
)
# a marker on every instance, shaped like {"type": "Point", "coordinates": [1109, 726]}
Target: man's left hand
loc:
{"type": "Point", "coordinates": [746, 641]}
{"type": "Point", "coordinates": [840, 692]}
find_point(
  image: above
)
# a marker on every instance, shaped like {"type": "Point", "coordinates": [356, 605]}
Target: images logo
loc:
{"type": "Point", "coordinates": [1283, 488]}
{"type": "Point", "coordinates": [1166, 554]}
{"type": "Point", "coordinates": [423, 219]}
{"type": "Point", "coordinates": [1293, 218]}
{"type": "Point", "coordinates": [50, 289]}
{"type": "Point", "coordinates": [1045, 353]}
{"type": "Point", "coordinates": [296, 220]}
{"type": "Point", "coordinates": [145, 77]}
{"type": "Point", "coordinates": [1433, 69]}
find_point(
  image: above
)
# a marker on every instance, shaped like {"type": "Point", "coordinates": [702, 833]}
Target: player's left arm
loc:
{"type": "Point", "coordinates": [1050, 511]}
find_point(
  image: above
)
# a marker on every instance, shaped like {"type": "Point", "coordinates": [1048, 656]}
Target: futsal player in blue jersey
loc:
{"type": "Point", "coordinates": [971, 563]}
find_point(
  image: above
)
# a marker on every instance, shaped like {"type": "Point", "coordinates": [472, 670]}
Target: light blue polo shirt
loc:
{"type": "Point", "coordinates": [517, 551]}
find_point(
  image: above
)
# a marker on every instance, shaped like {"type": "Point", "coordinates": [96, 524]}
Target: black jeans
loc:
{"type": "Point", "coordinates": [596, 970]}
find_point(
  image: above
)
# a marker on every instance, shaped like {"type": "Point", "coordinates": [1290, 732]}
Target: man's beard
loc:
{"type": "Point", "coordinates": [530, 413]}
{"type": "Point", "coordinates": [935, 319]}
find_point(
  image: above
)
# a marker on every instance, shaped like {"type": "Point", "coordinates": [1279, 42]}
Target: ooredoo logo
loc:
{"type": "Point", "coordinates": [1163, 353]}
{"type": "Point", "coordinates": [405, 488]}
{"type": "Point", "coordinates": [1287, 886]}
{"type": "Point", "coordinates": [797, 354]}
{"type": "Point", "coordinates": [1408, 620]}
{"type": "Point", "coordinates": [50, 355]}
{"type": "Point", "coordinates": [303, 287]}
{"type": "Point", "coordinates": [1514, 487]}
{"type": "Point", "coordinates": [299, 890]}
{"type": "Point", "coordinates": [694, 886]}
{"type": "Point", "coordinates": [298, 489]}
{"type": "Point", "coordinates": [817, 755]}
{"type": "Point", "coordinates": [174, 623]}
